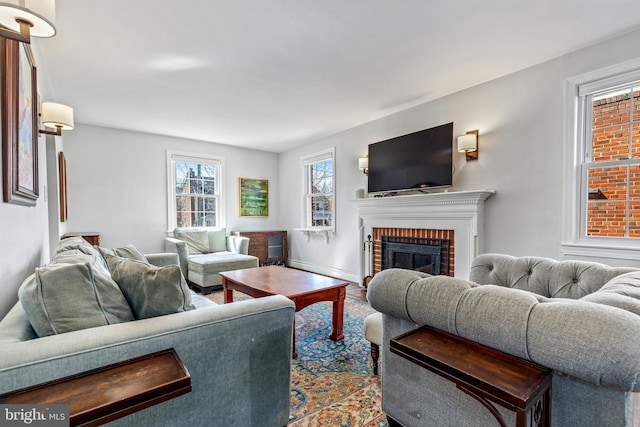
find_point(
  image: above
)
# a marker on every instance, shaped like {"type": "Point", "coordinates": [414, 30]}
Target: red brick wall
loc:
{"type": "Point", "coordinates": [608, 204]}
{"type": "Point", "coordinates": [409, 232]}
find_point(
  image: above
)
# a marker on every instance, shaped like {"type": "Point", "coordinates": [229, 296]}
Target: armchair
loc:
{"type": "Point", "coordinates": [205, 253]}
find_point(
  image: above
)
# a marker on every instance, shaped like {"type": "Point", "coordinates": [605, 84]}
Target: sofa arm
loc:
{"type": "Point", "coordinates": [179, 247]}
{"type": "Point", "coordinates": [238, 356]}
{"type": "Point", "coordinates": [163, 259]}
{"type": "Point", "coordinates": [238, 244]}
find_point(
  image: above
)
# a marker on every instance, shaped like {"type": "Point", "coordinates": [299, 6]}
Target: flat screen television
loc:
{"type": "Point", "coordinates": [419, 160]}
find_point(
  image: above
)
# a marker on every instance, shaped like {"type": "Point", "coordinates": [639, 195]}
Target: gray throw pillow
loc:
{"type": "Point", "coordinates": [80, 245]}
{"type": "Point", "coordinates": [151, 291]}
{"type": "Point", "coordinates": [218, 240]}
{"type": "Point", "coordinates": [128, 251]}
{"type": "Point", "coordinates": [66, 297]}
{"type": "Point", "coordinates": [197, 240]}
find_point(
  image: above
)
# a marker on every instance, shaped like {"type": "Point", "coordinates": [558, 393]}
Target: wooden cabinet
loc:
{"type": "Point", "coordinates": [90, 236]}
{"type": "Point", "coordinates": [269, 246]}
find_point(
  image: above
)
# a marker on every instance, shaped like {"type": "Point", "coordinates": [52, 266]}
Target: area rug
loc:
{"type": "Point", "coordinates": [332, 383]}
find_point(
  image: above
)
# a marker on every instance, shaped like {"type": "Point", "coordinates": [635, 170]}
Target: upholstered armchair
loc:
{"type": "Point", "coordinates": [205, 253]}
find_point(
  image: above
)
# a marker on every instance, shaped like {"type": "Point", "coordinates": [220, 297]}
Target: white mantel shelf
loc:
{"type": "Point", "coordinates": [461, 211]}
{"type": "Point", "coordinates": [444, 198]}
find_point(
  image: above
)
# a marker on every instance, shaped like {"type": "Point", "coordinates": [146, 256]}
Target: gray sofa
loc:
{"type": "Point", "coordinates": [205, 253]}
{"type": "Point", "coordinates": [238, 356]}
{"type": "Point", "coordinates": [580, 319]}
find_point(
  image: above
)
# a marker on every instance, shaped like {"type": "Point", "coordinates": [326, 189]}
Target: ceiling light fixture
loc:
{"type": "Point", "coordinates": [56, 116]}
{"type": "Point", "coordinates": [22, 19]}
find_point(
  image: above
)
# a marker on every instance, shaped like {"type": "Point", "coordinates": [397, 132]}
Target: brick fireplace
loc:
{"type": "Point", "coordinates": [444, 238]}
{"type": "Point", "coordinates": [457, 216]}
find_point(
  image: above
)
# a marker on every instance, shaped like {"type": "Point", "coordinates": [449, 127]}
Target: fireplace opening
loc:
{"type": "Point", "coordinates": [416, 253]}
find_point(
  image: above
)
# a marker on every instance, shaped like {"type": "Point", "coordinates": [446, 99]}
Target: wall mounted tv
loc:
{"type": "Point", "coordinates": [419, 160]}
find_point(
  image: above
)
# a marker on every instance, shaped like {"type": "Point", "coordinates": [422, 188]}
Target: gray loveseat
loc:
{"type": "Point", "coordinates": [238, 355]}
{"type": "Point", "coordinates": [580, 319]}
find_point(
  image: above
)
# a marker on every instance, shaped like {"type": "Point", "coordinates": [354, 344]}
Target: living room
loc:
{"type": "Point", "coordinates": [117, 179]}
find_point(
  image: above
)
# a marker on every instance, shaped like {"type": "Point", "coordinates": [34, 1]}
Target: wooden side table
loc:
{"type": "Point", "coordinates": [488, 375]}
{"type": "Point", "coordinates": [90, 236]}
{"type": "Point", "coordinates": [104, 394]}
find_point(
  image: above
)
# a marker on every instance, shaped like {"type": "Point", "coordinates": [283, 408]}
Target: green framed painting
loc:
{"type": "Point", "coordinates": [254, 197]}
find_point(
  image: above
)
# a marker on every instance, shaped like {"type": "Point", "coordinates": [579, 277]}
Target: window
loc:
{"type": "Point", "coordinates": [195, 198]}
{"type": "Point", "coordinates": [319, 185]}
{"type": "Point", "coordinates": [605, 145]}
{"type": "Point", "coordinates": [611, 166]}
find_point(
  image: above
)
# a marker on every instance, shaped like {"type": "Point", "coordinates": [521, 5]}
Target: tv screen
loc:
{"type": "Point", "coordinates": [419, 160]}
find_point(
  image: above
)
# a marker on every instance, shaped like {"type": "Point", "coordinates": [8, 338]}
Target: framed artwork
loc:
{"type": "Point", "coordinates": [19, 124]}
{"type": "Point", "coordinates": [254, 197]}
{"type": "Point", "coordinates": [62, 177]}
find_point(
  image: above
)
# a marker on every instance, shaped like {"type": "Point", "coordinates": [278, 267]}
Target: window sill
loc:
{"type": "Point", "coordinates": [323, 231]}
{"type": "Point", "coordinates": [600, 250]}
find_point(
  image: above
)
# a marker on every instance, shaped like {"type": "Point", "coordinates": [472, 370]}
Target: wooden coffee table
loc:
{"type": "Point", "coordinates": [301, 287]}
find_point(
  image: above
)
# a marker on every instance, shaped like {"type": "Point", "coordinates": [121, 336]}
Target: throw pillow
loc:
{"type": "Point", "coordinates": [218, 240]}
{"type": "Point", "coordinates": [197, 240]}
{"type": "Point", "coordinates": [65, 297]}
{"type": "Point", "coordinates": [81, 245]}
{"type": "Point", "coordinates": [128, 251]}
{"type": "Point", "coordinates": [151, 291]}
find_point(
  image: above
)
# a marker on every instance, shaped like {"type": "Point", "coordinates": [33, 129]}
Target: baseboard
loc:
{"type": "Point", "coordinates": [324, 270]}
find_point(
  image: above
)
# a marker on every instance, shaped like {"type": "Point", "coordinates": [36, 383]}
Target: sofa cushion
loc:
{"type": "Point", "coordinates": [218, 240]}
{"type": "Point", "coordinates": [151, 291]}
{"type": "Point", "coordinates": [66, 297]}
{"type": "Point", "coordinates": [127, 251]}
{"type": "Point", "coordinates": [622, 292]}
{"type": "Point", "coordinates": [197, 240]}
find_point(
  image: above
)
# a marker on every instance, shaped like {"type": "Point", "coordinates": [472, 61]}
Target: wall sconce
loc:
{"type": "Point", "coordinates": [56, 116]}
{"type": "Point", "coordinates": [22, 19]}
{"type": "Point", "coordinates": [363, 165]}
{"type": "Point", "coordinates": [468, 144]}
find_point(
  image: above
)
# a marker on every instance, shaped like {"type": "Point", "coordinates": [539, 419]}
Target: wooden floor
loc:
{"type": "Point", "coordinates": [356, 291]}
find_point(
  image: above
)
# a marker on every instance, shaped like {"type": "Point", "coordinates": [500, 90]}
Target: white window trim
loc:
{"type": "Point", "coordinates": [171, 190]}
{"type": "Point", "coordinates": [329, 153]}
{"type": "Point", "coordinates": [574, 243]}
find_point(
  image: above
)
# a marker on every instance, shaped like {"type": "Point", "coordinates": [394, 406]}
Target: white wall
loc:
{"type": "Point", "coordinates": [23, 245]}
{"type": "Point", "coordinates": [24, 230]}
{"type": "Point", "coordinates": [117, 184]}
{"type": "Point", "coordinates": [520, 118]}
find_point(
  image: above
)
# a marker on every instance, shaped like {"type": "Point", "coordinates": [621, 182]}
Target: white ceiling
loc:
{"type": "Point", "coordinates": [273, 74]}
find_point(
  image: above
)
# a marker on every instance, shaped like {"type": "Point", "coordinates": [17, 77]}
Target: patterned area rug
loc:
{"type": "Point", "coordinates": [332, 381]}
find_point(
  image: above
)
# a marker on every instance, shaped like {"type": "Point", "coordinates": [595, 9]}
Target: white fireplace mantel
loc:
{"type": "Point", "coordinates": [461, 211]}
